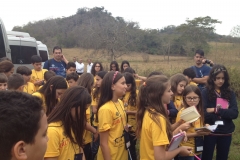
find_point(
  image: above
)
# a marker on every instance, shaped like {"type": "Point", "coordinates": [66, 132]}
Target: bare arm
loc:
{"type": "Point", "coordinates": [200, 80]}
{"type": "Point", "coordinates": [92, 130]}
{"type": "Point", "coordinates": [64, 59]}
{"type": "Point", "coordinates": [104, 145]}
{"type": "Point", "coordinates": [94, 109]}
{"type": "Point", "coordinates": [161, 154]}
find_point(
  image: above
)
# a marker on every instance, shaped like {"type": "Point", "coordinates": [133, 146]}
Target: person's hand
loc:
{"type": "Point", "coordinates": [135, 75]}
{"type": "Point", "coordinates": [39, 83]}
{"type": "Point", "coordinates": [95, 135]}
{"type": "Point", "coordinates": [185, 151]}
{"type": "Point", "coordinates": [185, 126]}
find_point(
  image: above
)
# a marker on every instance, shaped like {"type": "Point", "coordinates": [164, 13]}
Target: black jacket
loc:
{"type": "Point", "coordinates": [225, 115]}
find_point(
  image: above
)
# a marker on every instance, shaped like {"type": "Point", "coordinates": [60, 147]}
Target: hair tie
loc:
{"type": "Point", "coordinates": [217, 70]}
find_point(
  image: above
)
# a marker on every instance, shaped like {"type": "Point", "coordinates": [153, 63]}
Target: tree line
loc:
{"type": "Point", "coordinates": [96, 28]}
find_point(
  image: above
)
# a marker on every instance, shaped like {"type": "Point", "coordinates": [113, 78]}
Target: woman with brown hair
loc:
{"type": "Point", "coordinates": [66, 125]}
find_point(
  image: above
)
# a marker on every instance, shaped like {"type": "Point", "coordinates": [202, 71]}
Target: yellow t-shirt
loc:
{"type": "Point", "coordinates": [29, 88]}
{"type": "Point", "coordinates": [193, 83]}
{"type": "Point", "coordinates": [112, 117]}
{"type": "Point", "coordinates": [41, 96]}
{"type": "Point", "coordinates": [128, 107]}
{"type": "Point", "coordinates": [178, 101]}
{"type": "Point", "coordinates": [152, 135]}
{"type": "Point", "coordinates": [94, 103]}
{"type": "Point", "coordinates": [37, 76]}
{"type": "Point", "coordinates": [87, 136]}
{"type": "Point", "coordinates": [59, 145]}
{"type": "Point", "coordinates": [138, 83]}
{"type": "Point", "coordinates": [190, 142]}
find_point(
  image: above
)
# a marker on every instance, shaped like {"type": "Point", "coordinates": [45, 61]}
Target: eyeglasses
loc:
{"type": "Point", "coordinates": [194, 99]}
{"type": "Point", "coordinates": [97, 66]}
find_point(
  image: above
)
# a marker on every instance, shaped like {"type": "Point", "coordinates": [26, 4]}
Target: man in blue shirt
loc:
{"type": "Point", "coordinates": [58, 63]}
{"type": "Point", "coordinates": [201, 70]}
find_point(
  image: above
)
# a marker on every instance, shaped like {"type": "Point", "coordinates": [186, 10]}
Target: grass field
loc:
{"type": "Point", "coordinates": [222, 53]}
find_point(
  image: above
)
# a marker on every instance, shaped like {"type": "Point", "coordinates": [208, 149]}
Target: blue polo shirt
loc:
{"type": "Point", "coordinates": [58, 67]}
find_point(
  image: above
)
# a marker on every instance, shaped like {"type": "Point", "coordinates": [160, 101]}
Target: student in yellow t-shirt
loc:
{"type": "Point", "coordinates": [86, 80]}
{"type": "Point", "coordinates": [15, 82]}
{"type": "Point", "coordinates": [112, 119]}
{"type": "Point", "coordinates": [37, 76]}
{"type": "Point", "coordinates": [72, 79]}
{"type": "Point", "coordinates": [67, 124]}
{"type": "Point", "coordinates": [153, 126]}
{"type": "Point", "coordinates": [178, 83]}
{"type": "Point", "coordinates": [26, 73]}
{"type": "Point", "coordinates": [138, 82]}
{"type": "Point", "coordinates": [189, 73]}
{"type": "Point", "coordinates": [130, 102]}
{"type": "Point", "coordinates": [192, 97]}
{"type": "Point", "coordinates": [51, 92]}
{"type": "Point", "coordinates": [95, 97]}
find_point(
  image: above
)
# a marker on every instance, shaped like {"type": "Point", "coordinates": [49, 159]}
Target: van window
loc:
{"type": "Point", "coordinates": [23, 54]}
{"type": "Point", "coordinates": [2, 46]}
{"type": "Point", "coordinates": [43, 55]}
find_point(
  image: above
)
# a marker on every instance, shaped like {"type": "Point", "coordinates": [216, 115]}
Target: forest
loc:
{"type": "Point", "coordinates": [96, 28]}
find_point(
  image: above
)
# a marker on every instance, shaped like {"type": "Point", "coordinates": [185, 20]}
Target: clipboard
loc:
{"type": "Point", "coordinates": [175, 142]}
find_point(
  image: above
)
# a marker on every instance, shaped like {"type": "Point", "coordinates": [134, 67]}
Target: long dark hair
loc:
{"type": "Point", "coordinates": [97, 89]}
{"type": "Point", "coordinates": [49, 91]}
{"type": "Point", "coordinates": [106, 93]}
{"type": "Point", "coordinates": [77, 98]}
{"type": "Point", "coordinates": [133, 96]}
{"type": "Point", "coordinates": [149, 99]}
{"type": "Point", "coordinates": [225, 88]}
{"type": "Point", "coordinates": [193, 88]}
{"type": "Point", "coordinates": [124, 62]}
{"type": "Point", "coordinates": [86, 80]}
{"type": "Point", "coordinates": [116, 64]}
{"type": "Point", "coordinates": [93, 71]}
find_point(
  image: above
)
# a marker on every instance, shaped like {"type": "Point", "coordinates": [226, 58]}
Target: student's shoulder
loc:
{"type": "Point", "coordinates": [206, 67]}
{"type": "Point", "coordinates": [31, 84]}
{"type": "Point", "coordinates": [37, 94]}
{"type": "Point", "coordinates": [106, 106]}
{"type": "Point", "coordinates": [44, 70]}
{"type": "Point", "coordinates": [55, 127]}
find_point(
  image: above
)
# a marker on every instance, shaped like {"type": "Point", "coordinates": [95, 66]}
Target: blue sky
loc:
{"type": "Point", "coordinates": [149, 13]}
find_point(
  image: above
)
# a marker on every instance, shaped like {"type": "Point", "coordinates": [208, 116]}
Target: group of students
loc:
{"type": "Point", "coordinates": [103, 113]}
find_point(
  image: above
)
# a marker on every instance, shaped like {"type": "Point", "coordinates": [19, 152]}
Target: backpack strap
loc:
{"type": "Point", "coordinates": [49, 63]}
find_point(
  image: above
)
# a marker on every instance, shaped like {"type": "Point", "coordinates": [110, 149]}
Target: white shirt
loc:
{"type": "Point", "coordinates": [89, 67]}
{"type": "Point", "coordinates": [79, 67]}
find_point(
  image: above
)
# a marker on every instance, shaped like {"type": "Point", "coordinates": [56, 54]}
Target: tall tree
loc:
{"type": "Point", "coordinates": [196, 33]}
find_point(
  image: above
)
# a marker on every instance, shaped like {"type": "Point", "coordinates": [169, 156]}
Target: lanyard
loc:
{"type": "Point", "coordinates": [218, 94]}
{"type": "Point", "coordinates": [119, 112]}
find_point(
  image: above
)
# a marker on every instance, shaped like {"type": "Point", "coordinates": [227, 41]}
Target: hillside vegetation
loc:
{"type": "Point", "coordinates": [97, 29]}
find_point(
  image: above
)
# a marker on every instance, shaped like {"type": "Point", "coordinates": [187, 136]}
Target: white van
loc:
{"type": "Point", "coordinates": [18, 34]}
{"type": "Point", "coordinates": [22, 49]}
{"type": "Point", "coordinates": [43, 51]}
{"type": "Point", "coordinates": [4, 46]}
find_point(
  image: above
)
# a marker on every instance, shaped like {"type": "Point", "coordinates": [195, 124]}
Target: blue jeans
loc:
{"type": "Point", "coordinates": [222, 144]}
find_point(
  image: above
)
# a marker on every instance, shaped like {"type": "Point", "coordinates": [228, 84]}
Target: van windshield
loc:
{"type": "Point", "coordinates": [2, 46]}
{"type": "Point", "coordinates": [23, 54]}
